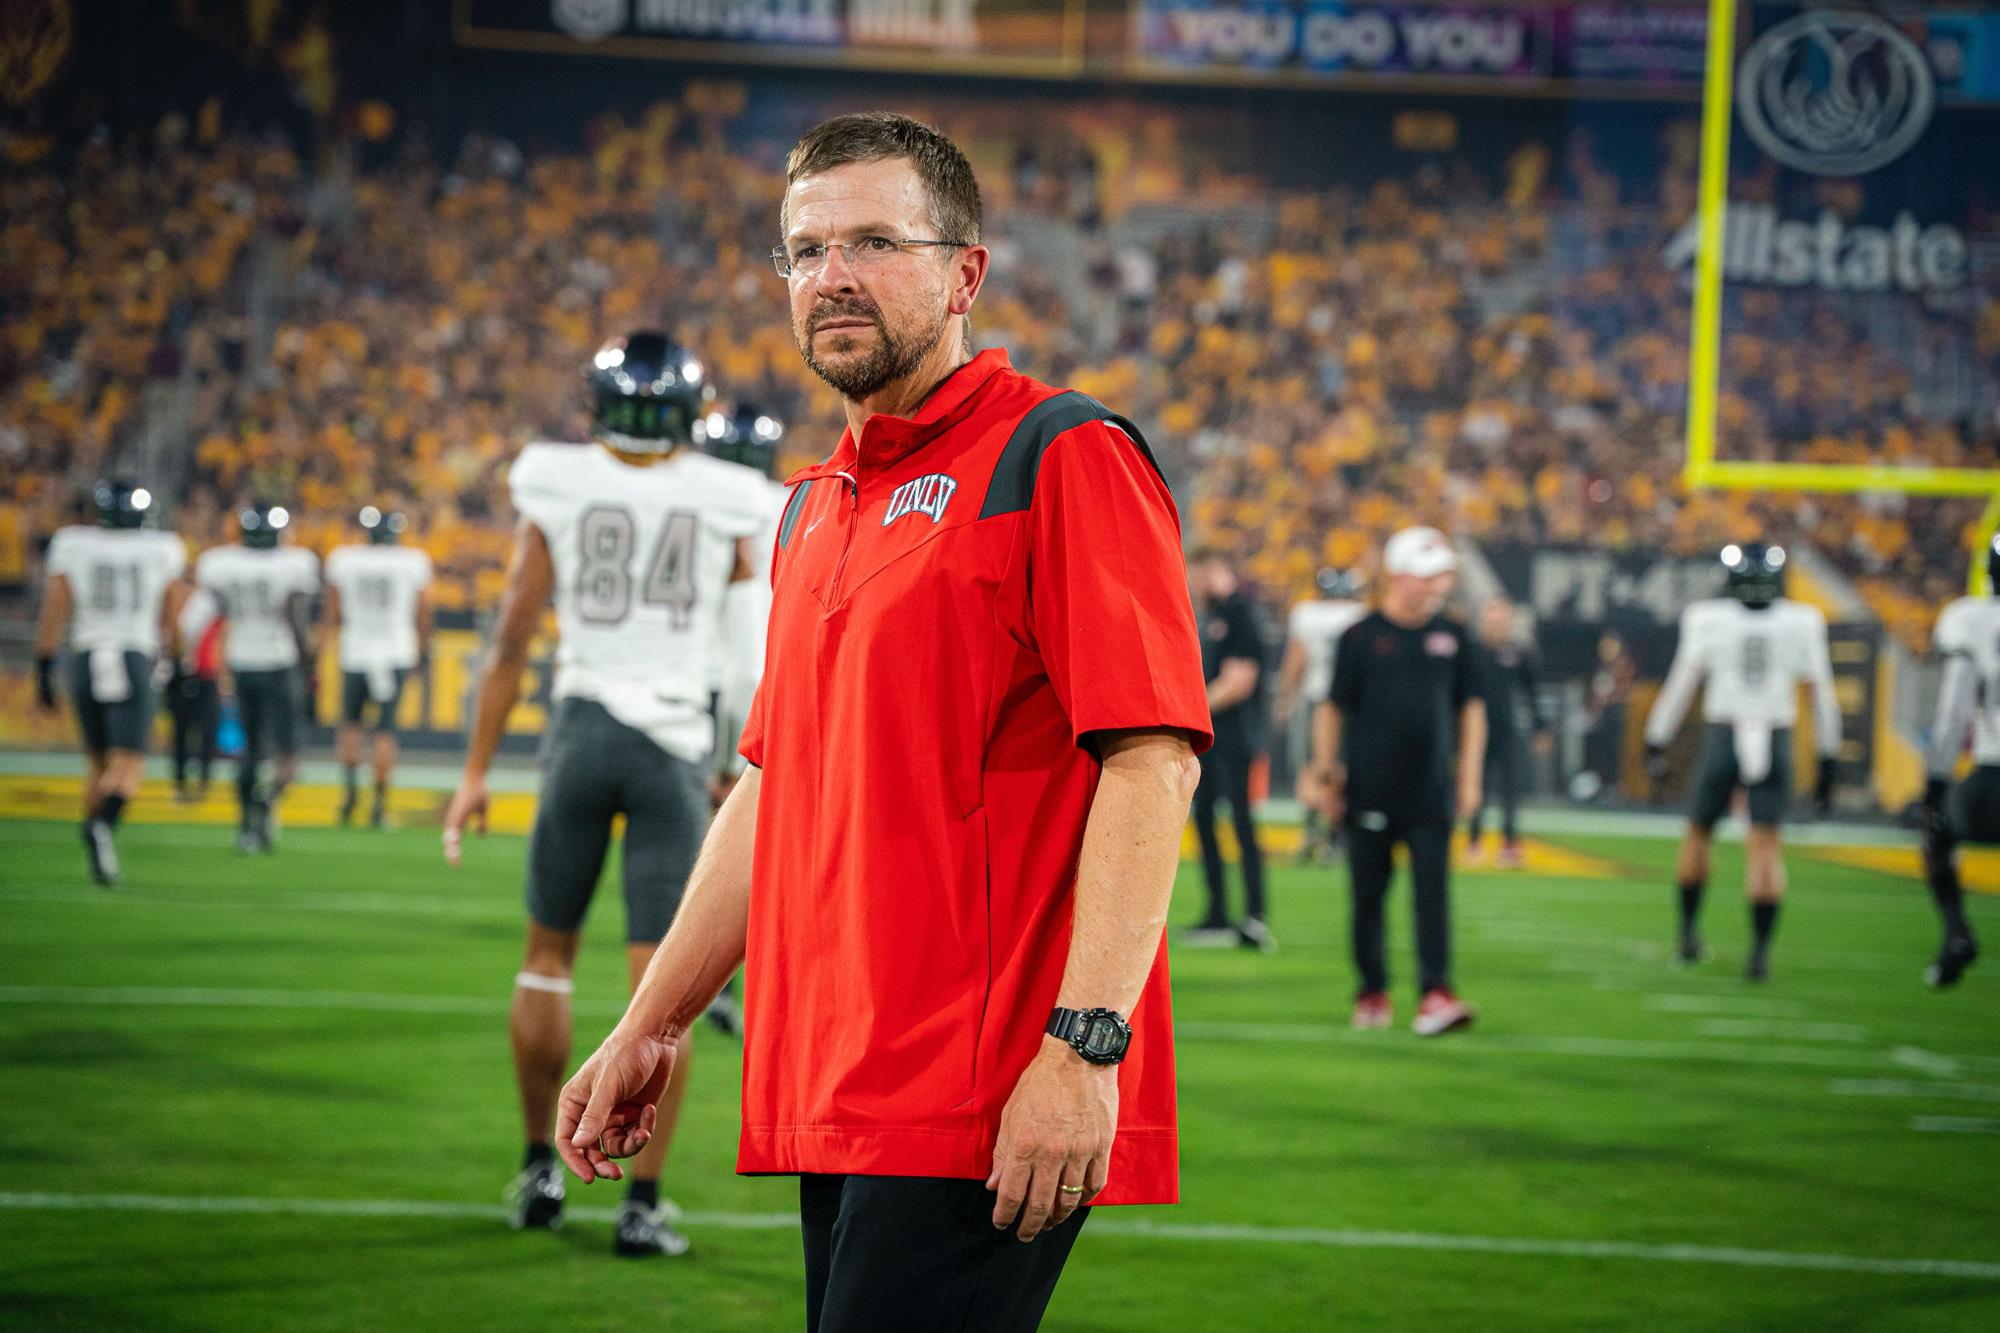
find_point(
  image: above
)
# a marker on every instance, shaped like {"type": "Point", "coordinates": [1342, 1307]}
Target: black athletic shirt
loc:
{"type": "Point", "coordinates": [1507, 675]}
{"type": "Point", "coordinates": [1230, 628]}
{"type": "Point", "coordinates": [1399, 692]}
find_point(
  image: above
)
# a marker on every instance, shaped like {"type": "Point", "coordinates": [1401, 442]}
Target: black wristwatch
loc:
{"type": "Point", "coordinates": [1100, 1036]}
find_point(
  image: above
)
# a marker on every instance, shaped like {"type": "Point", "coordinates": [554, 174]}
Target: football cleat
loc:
{"type": "Point", "coordinates": [1440, 1012]}
{"type": "Point", "coordinates": [1959, 952]}
{"type": "Point", "coordinates": [1210, 937]}
{"type": "Point", "coordinates": [1692, 950]}
{"type": "Point", "coordinates": [1510, 857]}
{"type": "Point", "coordinates": [646, 1232]}
{"type": "Point", "coordinates": [247, 841]}
{"type": "Point", "coordinates": [347, 804]}
{"type": "Point", "coordinates": [101, 852]}
{"type": "Point", "coordinates": [1254, 934]}
{"type": "Point", "coordinates": [535, 1199]}
{"type": "Point", "coordinates": [1372, 1011]}
{"type": "Point", "coordinates": [1758, 968]}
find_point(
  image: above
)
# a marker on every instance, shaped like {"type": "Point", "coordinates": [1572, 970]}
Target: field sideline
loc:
{"type": "Point", "coordinates": [274, 1094]}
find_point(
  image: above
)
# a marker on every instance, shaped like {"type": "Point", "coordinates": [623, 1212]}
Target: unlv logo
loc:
{"type": "Point", "coordinates": [926, 495]}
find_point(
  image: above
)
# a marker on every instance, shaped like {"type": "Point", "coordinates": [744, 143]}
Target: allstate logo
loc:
{"type": "Point", "coordinates": [1835, 94]}
{"type": "Point", "coordinates": [589, 20]}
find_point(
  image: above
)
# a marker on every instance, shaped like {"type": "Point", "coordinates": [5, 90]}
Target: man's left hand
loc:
{"type": "Point", "coordinates": [1470, 797]}
{"type": "Point", "coordinates": [1056, 1131]}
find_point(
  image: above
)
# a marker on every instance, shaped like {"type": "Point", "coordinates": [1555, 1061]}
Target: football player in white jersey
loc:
{"type": "Point", "coordinates": [1752, 647]}
{"type": "Point", "coordinates": [1968, 636]}
{"type": "Point", "coordinates": [1306, 675]}
{"type": "Point", "coordinates": [113, 587]}
{"type": "Point", "coordinates": [638, 538]}
{"type": "Point", "coordinates": [266, 591]}
{"type": "Point", "coordinates": [378, 608]}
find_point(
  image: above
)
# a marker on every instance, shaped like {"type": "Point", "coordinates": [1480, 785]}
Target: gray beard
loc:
{"type": "Point", "coordinates": [890, 361]}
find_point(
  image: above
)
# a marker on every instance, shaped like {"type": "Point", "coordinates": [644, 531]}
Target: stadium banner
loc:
{"type": "Point", "coordinates": [1332, 37]}
{"type": "Point", "coordinates": [1024, 37]}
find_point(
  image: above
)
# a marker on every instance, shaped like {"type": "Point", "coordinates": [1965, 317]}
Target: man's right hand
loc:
{"type": "Point", "coordinates": [608, 1109]}
{"type": "Point", "coordinates": [468, 803]}
{"type": "Point", "coordinates": [1333, 799]}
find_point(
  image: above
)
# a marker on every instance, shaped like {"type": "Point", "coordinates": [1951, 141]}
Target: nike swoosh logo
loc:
{"type": "Point", "coordinates": [810, 526]}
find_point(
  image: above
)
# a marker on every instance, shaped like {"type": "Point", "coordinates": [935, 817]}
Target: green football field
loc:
{"type": "Point", "coordinates": [274, 1094]}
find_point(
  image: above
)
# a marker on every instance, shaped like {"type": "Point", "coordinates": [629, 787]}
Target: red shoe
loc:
{"type": "Point", "coordinates": [1510, 857]}
{"type": "Point", "coordinates": [1475, 851]}
{"type": "Point", "coordinates": [1439, 1012]}
{"type": "Point", "coordinates": [1372, 1011]}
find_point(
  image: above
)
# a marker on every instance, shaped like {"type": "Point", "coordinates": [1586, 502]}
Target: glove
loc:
{"type": "Point", "coordinates": [1823, 788]}
{"type": "Point", "coordinates": [1656, 764]}
{"type": "Point", "coordinates": [45, 682]}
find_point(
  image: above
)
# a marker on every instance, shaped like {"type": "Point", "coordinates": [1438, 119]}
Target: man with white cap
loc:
{"type": "Point", "coordinates": [1398, 751]}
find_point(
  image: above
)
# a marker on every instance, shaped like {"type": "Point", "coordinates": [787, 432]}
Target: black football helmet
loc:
{"type": "Point", "coordinates": [121, 504]}
{"type": "Point", "coordinates": [1338, 584]}
{"type": "Point", "coordinates": [647, 391]}
{"type": "Point", "coordinates": [1993, 565]}
{"type": "Point", "coordinates": [1754, 573]}
{"type": "Point", "coordinates": [262, 523]}
{"type": "Point", "coordinates": [383, 529]}
{"type": "Point", "coordinates": [745, 434]}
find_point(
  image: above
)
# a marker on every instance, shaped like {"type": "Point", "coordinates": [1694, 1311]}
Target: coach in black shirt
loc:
{"type": "Point", "coordinates": [1232, 660]}
{"type": "Point", "coordinates": [1397, 753]}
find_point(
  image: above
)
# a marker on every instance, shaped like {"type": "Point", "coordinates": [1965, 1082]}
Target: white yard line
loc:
{"type": "Point", "coordinates": [154, 997]}
{"type": "Point", "coordinates": [253, 902]}
{"type": "Point", "coordinates": [1783, 1030]}
{"type": "Point", "coordinates": [1662, 1002]}
{"type": "Point", "coordinates": [1910, 1088]}
{"type": "Point", "coordinates": [1101, 1224]}
{"type": "Point", "coordinates": [1954, 1124]}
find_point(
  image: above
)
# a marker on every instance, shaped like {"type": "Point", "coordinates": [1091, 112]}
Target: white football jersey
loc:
{"type": "Point", "coordinates": [644, 556]}
{"type": "Point", "coordinates": [380, 587]}
{"type": "Point", "coordinates": [1317, 626]}
{"type": "Point", "coordinates": [256, 585]}
{"type": "Point", "coordinates": [1752, 663]}
{"type": "Point", "coordinates": [117, 578]}
{"type": "Point", "coordinates": [1968, 634]}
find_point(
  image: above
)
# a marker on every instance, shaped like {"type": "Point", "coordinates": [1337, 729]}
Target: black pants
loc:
{"type": "Point", "coordinates": [196, 708]}
{"type": "Point", "coordinates": [1371, 863]}
{"type": "Point", "coordinates": [1503, 788]}
{"type": "Point", "coordinates": [915, 1254]}
{"type": "Point", "coordinates": [1225, 776]}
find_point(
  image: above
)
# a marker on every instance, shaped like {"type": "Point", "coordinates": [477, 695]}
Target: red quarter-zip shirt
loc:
{"type": "Point", "coordinates": [960, 599]}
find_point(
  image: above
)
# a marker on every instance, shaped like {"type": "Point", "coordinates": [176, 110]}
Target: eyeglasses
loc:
{"type": "Point", "coordinates": [807, 260]}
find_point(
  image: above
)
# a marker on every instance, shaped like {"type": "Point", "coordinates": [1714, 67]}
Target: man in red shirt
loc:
{"type": "Point", "coordinates": [972, 755]}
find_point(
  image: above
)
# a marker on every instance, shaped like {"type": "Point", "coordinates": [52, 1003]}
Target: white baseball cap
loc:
{"type": "Point", "coordinates": [1420, 552]}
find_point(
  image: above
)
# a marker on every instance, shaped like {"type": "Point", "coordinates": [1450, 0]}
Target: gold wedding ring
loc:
{"type": "Point", "coordinates": [1070, 1189]}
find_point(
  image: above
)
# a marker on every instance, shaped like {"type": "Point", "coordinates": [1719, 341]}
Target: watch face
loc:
{"type": "Point", "coordinates": [1101, 1037]}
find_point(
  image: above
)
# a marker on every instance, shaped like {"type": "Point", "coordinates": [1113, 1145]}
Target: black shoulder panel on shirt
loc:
{"type": "Point", "coordinates": [1013, 485]}
{"type": "Point", "coordinates": [793, 509]}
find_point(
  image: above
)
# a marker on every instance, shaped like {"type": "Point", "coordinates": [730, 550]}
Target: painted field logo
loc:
{"type": "Point", "coordinates": [1836, 94]}
{"type": "Point", "coordinates": [925, 495]}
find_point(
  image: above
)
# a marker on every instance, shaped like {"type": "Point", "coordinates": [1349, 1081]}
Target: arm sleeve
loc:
{"type": "Point", "coordinates": [1246, 635]}
{"type": "Point", "coordinates": [1826, 700]}
{"type": "Point", "coordinates": [1108, 604]}
{"type": "Point", "coordinates": [751, 743]}
{"type": "Point", "coordinates": [1678, 692]}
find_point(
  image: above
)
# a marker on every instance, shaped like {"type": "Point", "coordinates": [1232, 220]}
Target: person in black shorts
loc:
{"type": "Point", "coordinates": [1232, 660]}
{"type": "Point", "coordinates": [1398, 750]}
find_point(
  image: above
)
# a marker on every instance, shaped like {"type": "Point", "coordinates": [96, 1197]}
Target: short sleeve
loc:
{"type": "Point", "coordinates": [1951, 636]}
{"type": "Point", "coordinates": [173, 556]}
{"type": "Point", "coordinates": [751, 743]}
{"type": "Point", "coordinates": [1246, 635]}
{"type": "Point", "coordinates": [1469, 678]}
{"type": "Point", "coordinates": [306, 580]}
{"type": "Point", "coordinates": [1345, 693]}
{"type": "Point", "coordinates": [61, 557]}
{"type": "Point", "coordinates": [534, 486]}
{"type": "Point", "coordinates": [1108, 604]}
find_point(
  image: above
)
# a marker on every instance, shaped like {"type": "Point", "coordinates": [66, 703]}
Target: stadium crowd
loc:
{"type": "Point", "coordinates": [1500, 355]}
